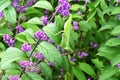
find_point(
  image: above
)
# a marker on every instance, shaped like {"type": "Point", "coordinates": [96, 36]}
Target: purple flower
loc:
{"type": "Point", "coordinates": [118, 65]}
{"type": "Point", "coordinates": [50, 41]}
{"type": "Point", "coordinates": [15, 77]}
{"type": "Point", "coordinates": [75, 25]}
{"type": "Point", "coordinates": [25, 63]}
{"type": "Point", "coordinates": [89, 79]}
{"type": "Point", "coordinates": [30, 2]}
{"type": "Point", "coordinates": [82, 54]}
{"type": "Point", "coordinates": [39, 55]}
{"type": "Point", "coordinates": [72, 59]}
{"type": "Point", "coordinates": [26, 47]}
{"type": "Point", "coordinates": [50, 64]}
{"type": "Point", "coordinates": [10, 27]}
{"type": "Point", "coordinates": [16, 1]}
{"type": "Point", "coordinates": [19, 28]}
{"type": "Point", "coordinates": [44, 20]}
{"type": "Point", "coordinates": [40, 34]}
{"type": "Point", "coordinates": [21, 9]}
{"type": "Point", "coordinates": [79, 12]}
{"type": "Point", "coordinates": [1, 15]}
{"type": "Point", "coordinates": [94, 45]}
{"type": "Point", "coordinates": [8, 40]}
{"type": "Point", "coordinates": [64, 7]}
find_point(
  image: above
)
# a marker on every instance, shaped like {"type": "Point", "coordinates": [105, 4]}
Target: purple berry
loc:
{"type": "Point", "coordinates": [39, 55]}
{"type": "Point", "coordinates": [15, 77]}
{"type": "Point", "coordinates": [19, 28]}
{"type": "Point", "coordinates": [44, 20]}
{"type": "Point", "coordinates": [26, 47]}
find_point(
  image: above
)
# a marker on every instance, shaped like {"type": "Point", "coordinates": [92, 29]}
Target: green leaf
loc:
{"type": "Point", "coordinates": [98, 63]}
{"type": "Point", "coordinates": [50, 52]}
{"type": "Point", "coordinates": [108, 52]}
{"type": "Point", "coordinates": [116, 10]}
{"type": "Point", "coordinates": [116, 31]}
{"type": "Point", "coordinates": [31, 26]}
{"type": "Point", "coordinates": [10, 14]}
{"type": "Point", "coordinates": [67, 30]}
{"type": "Point", "coordinates": [26, 37]}
{"type": "Point", "coordinates": [35, 20]}
{"type": "Point", "coordinates": [78, 73]}
{"type": "Point", "coordinates": [4, 4]}
{"type": "Point", "coordinates": [108, 72]}
{"type": "Point", "coordinates": [84, 26]}
{"type": "Point", "coordinates": [46, 70]}
{"type": "Point", "coordinates": [11, 54]}
{"type": "Point", "coordinates": [91, 15]}
{"type": "Point", "coordinates": [44, 5]}
{"type": "Point", "coordinates": [76, 7]}
{"type": "Point", "coordinates": [87, 69]}
{"type": "Point", "coordinates": [113, 42]}
{"type": "Point", "coordinates": [66, 63]}
{"type": "Point", "coordinates": [52, 32]}
{"type": "Point", "coordinates": [34, 76]}
{"type": "Point", "coordinates": [116, 59]}
{"type": "Point", "coordinates": [5, 31]}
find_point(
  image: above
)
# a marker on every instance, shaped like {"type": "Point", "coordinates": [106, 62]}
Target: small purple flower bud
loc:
{"type": "Point", "coordinates": [15, 77]}
{"type": "Point", "coordinates": [19, 28]}
{"type": "Point", "coordinates": [16, 1]}
{"type": "Point", "coordinates": [73, 59]}
{"type": "Point", "coordinates": [30, 2]}
{"type": "Point", "coordinates": [15, 5]}
{"type": "Point", "coordinates": [118, 65]}
{"type": "Point", "coordinates": [39, 55]}
{"type": "Point", "coordinates": [21, 9]}
{"type": "Point", "coordinates": [82, 55]}
{"type": "Point", "coordinates": [76, 27]}
{"type": "Point", "coordinates": [95, 45]}
{"type": "Point", "coordinates": [1, 15]}
{"type": "Point", "coordinates": [46, 12]}
{"type": "Point", "coordinates": [50, 41]}
{"type": "Point", "coordinates": [44, 20]}
{"type": "Point", "coordinates": [26, 47]}
{"type": "Point", "coordinates": [89, 79]}
{"type": "Point", "coordinates": [10, 27]}
{"type": "Point", "coordinates": [79, 12]}
{"type": "Point", "coordinates": [50, 64]}
{"type": "Point", "coordinates": [75, 23]}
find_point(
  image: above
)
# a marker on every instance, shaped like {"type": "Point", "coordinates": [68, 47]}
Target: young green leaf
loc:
{"type": "Point", "coordinates": [113, 42]}
{"type": "Point", "coordinates": [34, 76]}
{"type": "Point", "coordinates": [50, 52]}
{"type": "Point", "coordinates": [11, 54]}
{"type": "Point", "coordinates": [78, 73]}
{"type": "Point", "coordinates": [87, 69]}
{"type": "Point", "coordinates": [52, 32]}
{"type": "Point", "coordinates": [44, 5]}
{"type": "Point", "coordinates": [4, 4]}
{"type": "Point", "coordinates": [46, 70]}
{"type": "Point", "coordinates": [10, 14]}
{"type": "Point", "coordinates": [35, 20]}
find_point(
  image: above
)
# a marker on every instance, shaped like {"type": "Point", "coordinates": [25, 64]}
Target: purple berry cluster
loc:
{"type": "Point", "coordinates": [82, 54]}
{"type": "Point", "coordinates": [1, 15]}
{"type": "Point", "coordinates": [18, 7]}
{"type": "Point", "coordinates": [64, 7]}
{"type": "Point", "coordinates": [39, 55]}
{"type": "Point", "coordinates": [25, 63]}
{"type": "Point", "coordinates": [41, 35]}
{"type": "Point", "coordinates": [19, 28]}
{"type": "Point", "coordinates": [8, 40]}
{"type": "Point", "coordinates": [44, 20]}
{"type": "Point", "coordinates": [75, 25]}
{"type": "Point", "coordinates": [15, 77]}
{"type": "Point", "coordinates": [30, 2]}
{"type": "Point", "coordinates": [26, 47]}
